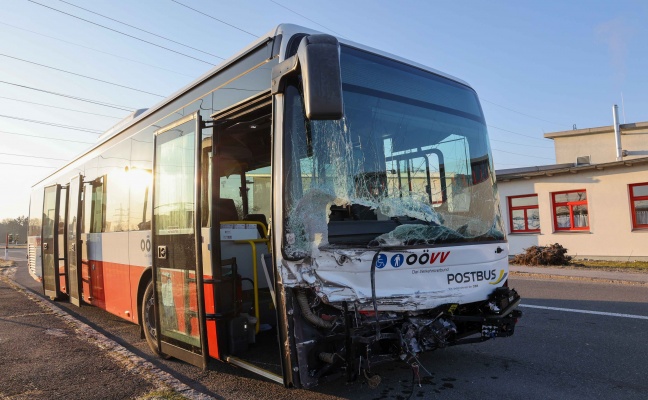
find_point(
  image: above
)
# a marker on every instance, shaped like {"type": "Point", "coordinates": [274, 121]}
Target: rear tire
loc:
{"type": "Point", "coordinates": [148, 319]}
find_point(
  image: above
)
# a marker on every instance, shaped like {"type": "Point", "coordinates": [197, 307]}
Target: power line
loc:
{"type": "Point", "coordinates": [140, 29]}
{"type": "Point", "coordinates": [521, 113]}
{"type": "Point", "coordinates": [82, 76]}
{"type": "Point", "coordinates": [521, 144]}
{"type": "Point", "coordinates": [100, 103]}
{"type": "Point", "coordinates": [214, 18]}
{"type": "Point", "coordinates": [74, 128]}
{"type": "Point", "coordinates": [44, 158]}
{"type": "Point", "coordinates": [27, 165]}
{"type": "Point", "coordinates": [45, 137]}
{"type": "Point", "coordinates": [303, 16]}
{"type": "Point", "coordinates": [501, 163]}
{"type": "Point", "coordinates": [524, 155]}
{"type": "Point", "coordinates": [515, 133]}
{"type": "Point", "coordinates": [120, 32]}
{"type": "Point", "coordinates": [60, 108]}
{"type": "Point", "coordinates": [98, 51]}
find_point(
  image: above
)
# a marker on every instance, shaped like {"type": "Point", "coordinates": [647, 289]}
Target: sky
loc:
{"type": "Point", "coordinates": [537, 66]}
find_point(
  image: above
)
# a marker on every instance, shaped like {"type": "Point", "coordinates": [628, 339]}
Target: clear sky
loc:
{"type": "Point", "coordinates": [538, 66]}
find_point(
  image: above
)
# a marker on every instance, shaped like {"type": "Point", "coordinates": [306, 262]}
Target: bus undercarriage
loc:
{"type": "Point", "coordinates": [333, 341]}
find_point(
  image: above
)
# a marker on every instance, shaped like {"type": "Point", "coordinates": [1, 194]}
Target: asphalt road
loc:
{"type": "Point", "coordinates": [561, 350]}
{"type": "Point", "coordinates": [13, 254]}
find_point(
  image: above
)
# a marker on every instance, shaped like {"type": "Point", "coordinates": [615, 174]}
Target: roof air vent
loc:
{"type": "Point", "coordinates": [582, 160]}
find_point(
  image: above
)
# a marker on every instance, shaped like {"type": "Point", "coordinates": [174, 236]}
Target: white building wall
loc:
{"type": "Point", "coordinates": [611, 235]}
{"type": "Point", "coordinates": [600, 147]}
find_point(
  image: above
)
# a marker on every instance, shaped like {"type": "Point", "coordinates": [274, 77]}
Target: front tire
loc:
{"type": "Point", "coordinates": [148, 319]}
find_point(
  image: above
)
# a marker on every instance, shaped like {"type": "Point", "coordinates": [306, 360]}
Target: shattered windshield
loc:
{"type": "Point", "coordinates": [408, 165]}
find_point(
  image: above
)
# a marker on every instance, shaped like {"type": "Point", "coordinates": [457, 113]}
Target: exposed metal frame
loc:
{"type": "Point", "coordinates": [253, 368]}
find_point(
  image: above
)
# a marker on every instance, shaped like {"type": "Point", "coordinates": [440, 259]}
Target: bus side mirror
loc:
{"type": "Point", "coordinates": [318, 59]}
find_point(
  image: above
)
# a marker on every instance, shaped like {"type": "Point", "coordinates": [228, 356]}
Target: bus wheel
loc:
{"type": "Point", "coordinates": [148, 319]}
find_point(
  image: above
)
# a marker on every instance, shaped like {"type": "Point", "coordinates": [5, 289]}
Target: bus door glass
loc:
{"type": "Point", "coordinates": [50, 242]}
{"type": "Point", "coordinates": [92, 223]}
{"type": "Point", "coordinates": [62, 240]}
{"type": "Point", "coordinates": [177, 257]}
{"type": "Point", "coordinates": [73, 223]}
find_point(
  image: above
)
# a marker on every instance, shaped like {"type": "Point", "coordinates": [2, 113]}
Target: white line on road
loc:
{"type": "Point", "coordinates": [609, 314]}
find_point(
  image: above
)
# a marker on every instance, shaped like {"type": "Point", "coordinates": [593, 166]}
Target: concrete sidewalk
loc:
{"type": "Point", "coordinates": [593, 274]}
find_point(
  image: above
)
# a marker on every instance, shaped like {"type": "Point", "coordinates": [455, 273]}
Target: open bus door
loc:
{"type": "Point", "coordinates": [240, 195]}
{"type": "Point", "coordinates": [73, 223]}
{"type": "Point", "coordinates": [50, 242]}
{"type": "Point", "coordinates": [177, 242]}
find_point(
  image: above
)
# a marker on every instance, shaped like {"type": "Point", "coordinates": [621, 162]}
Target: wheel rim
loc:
{"type": "Point", "coordinates": [149, 317]}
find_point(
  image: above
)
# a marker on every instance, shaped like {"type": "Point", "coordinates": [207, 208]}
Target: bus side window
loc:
{"type": "Point", "coordinates": [94, 206]}
{"type": "Point", "coordinates": [140, 180]}
{"type": "Point", "coordinates": [87, 208]}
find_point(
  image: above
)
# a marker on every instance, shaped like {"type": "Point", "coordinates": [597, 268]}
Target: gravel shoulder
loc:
{"type": "Point", "coordinates": [48, 354]}
{"type": "Point", "coordinates": [43, 358]}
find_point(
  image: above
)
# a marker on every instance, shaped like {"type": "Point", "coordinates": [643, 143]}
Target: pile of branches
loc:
{"type": "Point", "coordinates": [553, 254]}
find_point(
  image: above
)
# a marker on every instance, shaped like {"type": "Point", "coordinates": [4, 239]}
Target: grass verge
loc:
{"type": "Point", "coordinates": [628, 266]}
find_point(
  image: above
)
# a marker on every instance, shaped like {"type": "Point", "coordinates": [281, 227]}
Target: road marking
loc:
{"type": "Point", "coordinates": [609, 314]}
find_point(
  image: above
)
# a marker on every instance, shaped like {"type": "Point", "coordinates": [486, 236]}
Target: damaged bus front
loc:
{"type": "Point", "coordinates": [392, 242]}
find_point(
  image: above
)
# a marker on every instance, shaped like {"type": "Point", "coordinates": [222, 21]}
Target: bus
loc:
{"type": "Point", "coordinates": [305, 210]}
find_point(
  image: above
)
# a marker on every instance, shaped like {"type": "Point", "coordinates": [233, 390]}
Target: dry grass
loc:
{"type": "Point", "coordinates": [638, 266]}
{"type": "Point", "coordinates": [164, 394]}
{"type": "Point", "coordinates": [5, 263]}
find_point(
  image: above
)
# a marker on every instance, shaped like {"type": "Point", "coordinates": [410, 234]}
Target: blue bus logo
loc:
{"type": "Point", "coordinates": [381, 261]}
{"type": "Point", "coordinates": [397, 260]}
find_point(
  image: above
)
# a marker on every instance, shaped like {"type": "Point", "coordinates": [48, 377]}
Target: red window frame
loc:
{"type": "Point", "coordinates": [511, 208]}
{"type": "Point", "coordinates": [633, 199]}
{"type": "Point", "coordinates": [570, 205]}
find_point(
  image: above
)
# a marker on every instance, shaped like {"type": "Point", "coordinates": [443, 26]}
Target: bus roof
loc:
{"type": "Point", "coordinates": [284, 30]}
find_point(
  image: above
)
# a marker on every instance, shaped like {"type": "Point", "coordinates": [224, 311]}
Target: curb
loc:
{"type": "Point", "coordinates": [131, 362]}
{"type": "Point", "coordinates": [540, 275]}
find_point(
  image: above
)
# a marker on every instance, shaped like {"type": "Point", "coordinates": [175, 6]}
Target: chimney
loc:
{"type": "Point", "coordinates": [617, 133]}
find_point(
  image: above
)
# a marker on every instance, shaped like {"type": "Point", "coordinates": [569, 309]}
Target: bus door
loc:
{"type": "Point", "coordinates": [177, 242]}
{"type": "Point", "coordinates": [240, 198]}
{"type": "Point", "coordinates": [52, 225]}
{"type": "Point", "coordinates": [73, 223]}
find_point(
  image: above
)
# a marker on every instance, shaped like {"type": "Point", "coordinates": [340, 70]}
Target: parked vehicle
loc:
{"type": "Point", "coordinates": [306, 209]}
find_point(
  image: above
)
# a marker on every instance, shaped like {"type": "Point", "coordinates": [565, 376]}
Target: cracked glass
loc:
{"type": "Point", "coordinates": [408, 165]}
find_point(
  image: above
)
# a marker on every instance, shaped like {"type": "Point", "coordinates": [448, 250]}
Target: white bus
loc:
{"type": "Point", "coordinates": [306, 209]}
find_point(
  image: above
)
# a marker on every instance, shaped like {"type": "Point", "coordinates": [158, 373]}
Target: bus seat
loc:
{"type": "Point", "coordinates": [258, 218]}
{"type": "Point", "coordinates": [227, 210]}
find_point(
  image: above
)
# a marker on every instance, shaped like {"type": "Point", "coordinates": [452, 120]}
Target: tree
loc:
{"type": "Point", "coordinates": [17, 227]}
